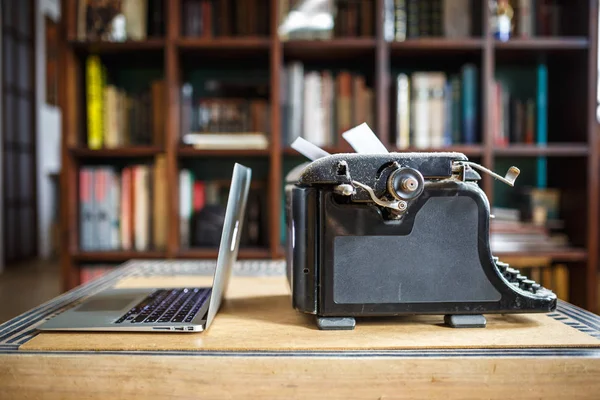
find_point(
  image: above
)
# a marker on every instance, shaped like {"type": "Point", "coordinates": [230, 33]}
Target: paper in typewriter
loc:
{"type": "Point", "coordinates": [257, 316]}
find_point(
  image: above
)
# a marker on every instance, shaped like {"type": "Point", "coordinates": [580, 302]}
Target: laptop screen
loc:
{"type": "Point", "coordinates": [230, 237]}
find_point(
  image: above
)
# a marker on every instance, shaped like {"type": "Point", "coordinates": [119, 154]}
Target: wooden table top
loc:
{"type": "Point", "coordinates": [257, 339]}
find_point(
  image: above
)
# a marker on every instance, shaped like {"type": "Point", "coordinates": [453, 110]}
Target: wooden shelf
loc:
{"type": "Point", "coordinates": [191, 43]}
{"type": "Point", "coordinates": [439, 45]}
{"type": "Point", "coordinates": [137, 151]}
{"type": "Point", "coordinates": [468, 150]}
{"type": "Point", "coordinates": [556, 255]}
{"type": "Point", "coordinates": [116, 256]}
{"type": "Point", "coordinates": [551, 150]}
{"type": "Point", "coordinates": [105, 47]}
{"type": "Point", "coordinates": [243, 253]}
{"type": "Point", "coordinates": [334, 49]}
{"type": "Point", "coordinates": [544, 43]}
{"type": "Point", "coordinates": [192, 152]}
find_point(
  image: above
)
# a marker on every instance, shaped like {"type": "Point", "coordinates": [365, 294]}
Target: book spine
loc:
{"type": "Point", "coordinates": [505, 116]}
{"type": "Point", "coordinates": [525, 25]}
{"type": "Point", "coordinates": [199, 196]}
{"type": "Point", "coordinates": [297, 95]}
{"type": "Point", "coordinates": [456, 18]}
{"type": "Point", "coordinates": [388, 20]}
{"type": "Point", "coordinates": [401, 20]}
{"type": "Point", "coordinates": [437, 83]}
{"type": "Point", "coordinates": [185, 206]}
{"type": "Point", "coordinates": [125, 212]}
{"type": "Point", "coordinates": [447, 114]}
{"type": "Point", "coordinates": [469, 104]}
{"type": "Point", "coordinates": [366, 14]}
{"type": "Point", "coordinates": [94, 102]}
{"type": "Point", "coordinates": [402, 111]}
{"type": "Point", "coordinates": [115, 211]}
{"type": "Point", "coordinates": [424, 17]}
{"type": "Point", "coordinates": [530, 122]}
{"type": "Point", "coordinates": [420, 107]}
{"type": "Point", "coordinates": [159, 203]}
{"type": "Point", "coordinates": [456, 111]}
{"type": "Point", "coordinates": [413, 18]}
{"type": "Point", "coordinates": [344, 102]}
{"type": "Point", "coordinates": [85, 211]}
{"type": "Point", "coordinates": [436, 18]}
{"type": "Point", "coordinates": [542, 122]}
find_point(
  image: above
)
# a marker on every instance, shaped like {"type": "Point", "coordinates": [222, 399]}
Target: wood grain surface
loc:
{"type": "Point", "coordinates": [148, 377]}
{"type": "Point", "coordinates": [257, 316]}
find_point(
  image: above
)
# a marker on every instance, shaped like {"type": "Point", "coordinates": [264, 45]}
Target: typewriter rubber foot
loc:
{"type": "Point", "coordinates": [465, 321]}
{"type": "Point", "coordinates": [336, 323]}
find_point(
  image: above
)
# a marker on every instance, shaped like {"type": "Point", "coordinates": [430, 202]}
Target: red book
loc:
{"type": "Point", "coordinates": [207, 19]}
{"type": "Point", "coordinates": [199, 197]}
{"type": "Point", "coordinates": [126, 209]}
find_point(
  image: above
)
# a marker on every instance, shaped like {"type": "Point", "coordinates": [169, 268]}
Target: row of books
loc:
{"type": "Point", "coordinates": [202, 207]}
{"type": "Point", "coordinates": [517, 120]}
{"type": "Point", "coordinates": [319, 106]}
{"type": "Point", "coordinates": [208, 18]}
{"type": "Point", "coordinates": [121, 20]}
{"type": "Point", "coordinates": [409, 19]}
{"type": "Point", "coordinates": [536, 18]}
{"type": "Point", "coordinates": [116, 118]}
{"type": "Point", "coordinates": [90, 272]}
{"type": "Point", "coordinates": [219, 123]}
{"type": "Point", "coordinates": [434, 110]}
{"type": "Point", "coordinates": [123, 210]}
{"type": "Point", "coordinates": [326, 20]}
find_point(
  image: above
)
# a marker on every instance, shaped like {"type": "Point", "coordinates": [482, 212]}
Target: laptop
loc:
{"type": "Point", "coordinates": [189, 309]}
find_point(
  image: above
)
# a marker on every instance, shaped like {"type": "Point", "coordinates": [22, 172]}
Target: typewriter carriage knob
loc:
{"type": "Point", "coordinates": [405, 184]}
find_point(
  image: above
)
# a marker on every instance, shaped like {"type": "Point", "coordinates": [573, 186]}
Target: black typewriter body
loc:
{"type": "Point", "coordinates": [397, 234]}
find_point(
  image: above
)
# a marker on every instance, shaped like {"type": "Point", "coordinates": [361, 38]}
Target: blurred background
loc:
{"type": "Point", "coordinates": [121, 121]}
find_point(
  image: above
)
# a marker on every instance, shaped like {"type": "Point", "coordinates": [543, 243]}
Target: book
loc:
{"type": "Point", "coordinates": [420, 121]}
{"type": "Point", "coordinates": [457, 18]}
{"type": "Point", "coordinates": [94, 97]}
{"type": "Point", "coordinates": [389, 22]}
{"type": "Point", "coordinates": [542, 122]}
{"type": "Point", "coordinates": [403, 111]}
{"type": "Point", "coordinates": [525, 17]}
{"type": "Point", "coordinates": [141, 207]}
{"type": "Point", "coordinates": [456, 123]}
{"type": "Point", "coordinates": [413, 18]}
{"type": "Point", "coordinates": [424, 18]}
{"type": "Point", "coordinates": [437, 116]}
{"type": "Point", "coordinates": [110, 120]}
{"type": "Point", "coordinates": [400, 20]}
{"type": "Point", "coordinates": [224, 141]}
{"type": "Point", "coordinates": [469, 103]}
{"type": "Point", "coordinates": [560, 281]}
{"type": "Point", "coordinates": [126, 222]}
{"type": "Point", "coordinates": [159, 203]}
{"type": "Point", "coordinates": [86, 212]}
{"type": "Point", "coordinates": [344, 101]}
{"type": "Point", "coordinates": [185, 206]}
{"type": "Point", "coordinates": [437, 24]}
{"type": "Point", "coordinates": [135, 13]}
{"type": "Point", "coordinates": [156, 21]}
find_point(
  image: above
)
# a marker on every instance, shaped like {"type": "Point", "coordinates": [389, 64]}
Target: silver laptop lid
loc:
{"type": "Point", "coordinates": [230, 237]}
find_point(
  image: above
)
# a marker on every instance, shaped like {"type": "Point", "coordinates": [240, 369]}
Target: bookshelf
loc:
{"type": "Point", "coordinates": [572, 152]}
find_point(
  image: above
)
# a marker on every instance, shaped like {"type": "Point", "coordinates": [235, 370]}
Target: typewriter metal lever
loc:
{"type": "Point", "coordinates": [509, 178]}
{"type": "Point", "coordinates": [399, 205]}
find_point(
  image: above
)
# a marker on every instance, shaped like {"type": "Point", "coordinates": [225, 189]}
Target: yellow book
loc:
{"type": "Point", "coordinates": [561, 281]}
{"type": "Point", "coordinates": [160, 203]}
{"type": "Point", "coordinates": [94, 102]}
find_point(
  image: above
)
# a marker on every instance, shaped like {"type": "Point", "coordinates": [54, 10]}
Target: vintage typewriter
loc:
{"type": "Point", "coordinates": [391, 234]}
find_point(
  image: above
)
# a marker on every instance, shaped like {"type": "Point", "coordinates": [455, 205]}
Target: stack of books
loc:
{"type": "Point", "coordinates": [410, 19]}
{"type": "Point", "coordinates": [116, 118]}
{"type": "Point", "coordinates": [434, 110]}
{"type": "Point", "coordinates": [320, 105]}
{"type": "Point", "coordinates": [209, 18]}
{"type": "Point", "coordinates": [123, 210]}
{"type": "Point", "coordinates": [118, 21]}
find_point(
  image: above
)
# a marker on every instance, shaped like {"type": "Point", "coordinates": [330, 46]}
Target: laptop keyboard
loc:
{"type": "Point", "coordinates": [167, 305]}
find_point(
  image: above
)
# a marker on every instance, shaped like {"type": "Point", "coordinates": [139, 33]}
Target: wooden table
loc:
{"type": "Point", "coordinates": [258, 346]}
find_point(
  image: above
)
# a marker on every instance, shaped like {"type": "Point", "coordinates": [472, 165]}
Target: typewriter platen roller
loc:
{"type": "Point", "coordinates": [398, 234]}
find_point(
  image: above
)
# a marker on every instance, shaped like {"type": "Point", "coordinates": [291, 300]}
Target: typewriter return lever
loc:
{"type": "Point", "coordinates": [509, 178]}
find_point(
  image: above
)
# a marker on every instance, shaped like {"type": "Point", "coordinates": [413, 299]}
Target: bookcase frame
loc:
{"type": "Point", "coordinates": [582, 261]}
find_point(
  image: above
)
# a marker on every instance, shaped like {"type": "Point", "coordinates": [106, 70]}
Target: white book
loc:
{"type": "Point", "coordinates": [437, 85]}
{"type": "Point", "coordinates": [185, 206]}
{"type": "Point", "coordinates": [296, 78]}
{"type": "Point", "coordinates": [420, 122]}
{"type": "Point", "coordinates": [135, 12]}
{"type": "Point", "coordinates": [402, 111]}
{"type": "Point", "coordinates": [457, 18]}
{"type": "Point", "coordinates": [220, 141]}
{"type": "Point", "coordinates": [141, 208]}
{"type": "Point", "coordinates": [315, 118]}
